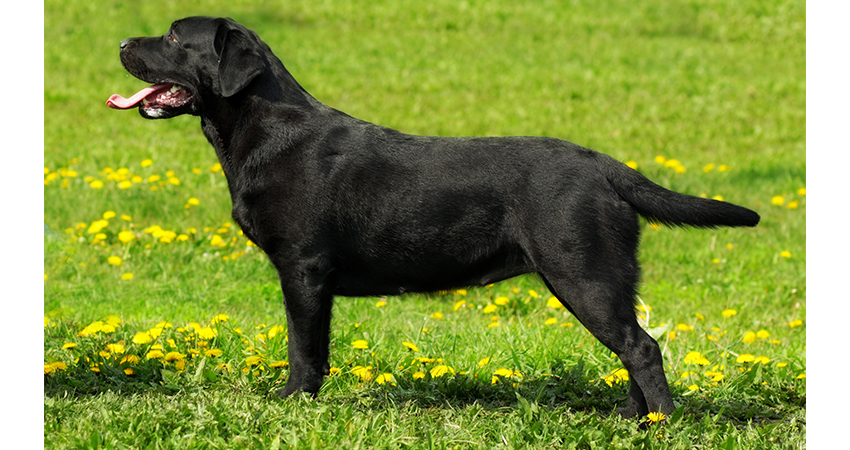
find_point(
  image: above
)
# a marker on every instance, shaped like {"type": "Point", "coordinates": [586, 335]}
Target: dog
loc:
{"type": "Point", "coordinates": [343, 207]}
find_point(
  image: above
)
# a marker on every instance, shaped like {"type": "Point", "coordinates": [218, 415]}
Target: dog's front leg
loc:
{"type": "Point", "coordinates": [308, 316]}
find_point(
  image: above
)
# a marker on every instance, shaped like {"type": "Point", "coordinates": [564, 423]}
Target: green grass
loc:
{"type": "Point", "coordinates": [701, 82]}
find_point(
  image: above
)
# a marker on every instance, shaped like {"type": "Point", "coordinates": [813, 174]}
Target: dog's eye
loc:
{"type": "Point", "coordinates": [171, 37]}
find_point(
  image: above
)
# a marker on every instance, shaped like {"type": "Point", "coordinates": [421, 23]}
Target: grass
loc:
{"type": "Point", "coordinates": [716, 89]}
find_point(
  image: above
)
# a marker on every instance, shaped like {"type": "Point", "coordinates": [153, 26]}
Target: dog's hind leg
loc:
{"type": "Point", "coordinates": [609, 315]}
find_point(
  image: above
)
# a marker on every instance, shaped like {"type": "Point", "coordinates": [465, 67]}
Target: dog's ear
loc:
{"type": "Point", "coordinates": [239, 60]}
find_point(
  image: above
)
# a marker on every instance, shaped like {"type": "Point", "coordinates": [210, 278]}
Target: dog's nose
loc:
{"type": "Point", "coordinates": [125, 42]}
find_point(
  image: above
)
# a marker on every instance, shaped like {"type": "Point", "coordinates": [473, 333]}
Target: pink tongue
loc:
{"type": "Point", "coordinates": [118, 102]}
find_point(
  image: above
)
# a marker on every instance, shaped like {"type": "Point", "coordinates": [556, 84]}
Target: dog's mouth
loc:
{"type": "Point", "coordinates": [153, 99]}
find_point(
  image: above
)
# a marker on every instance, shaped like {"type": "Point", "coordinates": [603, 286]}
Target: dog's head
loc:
{"type": "Point", "coordinates": [199, 60]}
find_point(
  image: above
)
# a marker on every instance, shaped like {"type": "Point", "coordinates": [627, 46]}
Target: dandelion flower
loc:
{"type": "Point", "coordinates": [795, 323]}
{"type": "Point", "coordinates": [380, 304]}
{"type": "Point", "coordinates": [114, 260]}
{"type": "Point", "coordinates": [441, 370]}
{"type": "Point", "coordinates": [126, 236]}
{"type": "Point", "coordinates": [696, 358]}
{"type": "Point", "coordinates": [253, 360]}
{"type": "Point", "coordinates": [749, 337]}
{"type": "Point", "coordinates": [278, 364]}
{"type": "Point", "coordinates": [96, 184]}
{"type": "Point", "coordinates": [729, 313]}
{"type": "Point", "coordinates": [785, 254]}
{"type": "Point", "coordinates": [221, 318]}
{"type": "Point", "coordinates": [418, 375]}
{"type": "Point", "coordinates": [127, 276]}
{"type": "Point", "coordinates": [684, 327]}
{"type": "Point", "coordinates": [793, 205]}
{"type": "Point", "coordinates": [437, 315]}
{"type": "Point", "coordinates": [365, 373]}
{"type": "Point", "coordinates": [68, 346]}
{"type": "Point", "coordinates": [551, 321]}
{"type": "Point", "coordinates": [385, 378]}
{"type": "Point", "coordinates": [483, 362]}
{"type": "Point", "coordinates": [207, 333]}
{"type": "Point", "coordinates": [193, 201]}
{"type": "Point", "coordinates": [745, 358]}
{"type": "Point", "coordinates": [213, 352]}
{"type": "Point", "coordinates": [115, 348]}
{"type": "Point", "coordinates": [655, 417]}
{"type": "Point", "coordinates": [360, 344]}
{"type": "Point", "coordinates": [763, 334]}
{"type": "Point", "coordinates": [501, 301]}
{"type": "Point", "coordinates": [174, 356]}
{"type": "Point", "coordinates": [632, 165]}
{"type": "Point", "coordinates": [778, 200]}
{"type": "Point", "coordinates": [554, 303]}
{"type": "Point", "coordinates": [411, 346]}
{"type": "Point", "coordinates": [490, 308]}
{"type": "Point", "coordinates": [458, 304]}
{"type": "Point", "coordinates": [97, 225]}
{"type": "Point", "coordinates": [155, 354]}
{"type": "Point", "coordinates": [762, 359]}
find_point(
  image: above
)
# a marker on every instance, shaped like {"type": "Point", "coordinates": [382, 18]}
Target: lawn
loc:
{"type": "Point", "coordinates": [164, 326]}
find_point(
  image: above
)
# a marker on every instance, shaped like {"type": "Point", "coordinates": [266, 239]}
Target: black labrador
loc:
{"type": "Point", "coordinates": [345, 207]}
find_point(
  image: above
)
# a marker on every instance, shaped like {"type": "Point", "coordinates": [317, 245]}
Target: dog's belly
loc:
{"type": "Point", "coordinates": [424, 274]}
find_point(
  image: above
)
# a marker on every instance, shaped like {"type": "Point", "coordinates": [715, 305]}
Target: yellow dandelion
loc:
{"type": "Point", "coordinates": [96, 184]}
{"type": "Point", "coordinates": [253, 360]}
{"type": "Point", "coordinates": [155, 354]}
{"type": "Point", "coordinates": [221, 318]}
{"type": "Point", "coordinates": [785, 254]}
{"type": "Point", "coordinates": [174, 356]}
{"type": "Point", "coordinates": [365, 373]}
{"type": "Point", "coordinates": [551, 321]}
{"type": "Point", "coordinates": [795, 323]}
{"type": "Point", "coordinates": [441, 370]}
{"type": "Point", "coordinates": [213, 352]}
{"type": "Point", "coordinates": [114, 260]}
{"type": "Point", "coordinates": [126, 236]}
{"type": "Point", "coordinates": [745, 358]}
{"type": "Point", "coordinates": [411, 346]}
{"type": "Point", "coordinates": [385, 378]}
{"type": "Point", "coordinates": [360, 344]}
{"type": "Point", "coordinates": [729, 313]}
{"type": "Point", "coordinates": [501, 301]}
{"type": "Point", "coordinates": [749, 337]}
{"type": "Point", "coordinates": [696, 358]}
{"type": "Point", "coordinates": [278, 364]}
{"type": "Point", "coordinates": [632, 165]}
{"type": "Point", "coordinates": [684, 327]}
{"type": "Point", "coordinates": [655, 417]}
{"type": "Point", "coordinates": [207, 333]}
{"type": "Point", "coordinates": [418, 375]}
{"type": "Point", "coordinates": [68, 346]}
{"type": "Point", "coordinates": [483, 362]}
{"type": "Point", "coordinates": [660, 159]}
{"type": "Point", "coordinates": [708, 168]}
{"type": "Point", "coordinates": [458, 304]}
{"type": "Point", "coordinates": [490, 308]}
{"type": "Point", "coordinates": [554, 303]}
{"type": "Point", "coordinates": [437, 315]}
{"type": "Point", "coordinates": [115, 348]}
{"type": "Point", "coordinates": [381, 303]}
{"type": "Point", "coordinates": [763, 334]}
{"type": "Point", "coordinates": [127, 276]}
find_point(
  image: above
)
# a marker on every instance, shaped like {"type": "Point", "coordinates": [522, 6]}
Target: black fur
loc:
{"type": "Point", "coordinates": [344, 207]}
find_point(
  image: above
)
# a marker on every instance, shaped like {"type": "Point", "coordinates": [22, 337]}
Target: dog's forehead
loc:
{"type": "Point", "coordinates": [195, 24]}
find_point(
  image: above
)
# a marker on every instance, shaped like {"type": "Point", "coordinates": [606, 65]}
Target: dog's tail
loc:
{"type": "Point", "coordinates": [661, 205]}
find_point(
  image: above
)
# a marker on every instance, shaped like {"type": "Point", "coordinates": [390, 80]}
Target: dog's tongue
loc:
{"type": "Point", "coordinates": [118, 102]}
